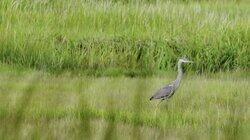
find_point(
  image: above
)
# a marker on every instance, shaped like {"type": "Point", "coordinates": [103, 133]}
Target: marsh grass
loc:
{"type": "Point", "coordinates": [73, 39]}
{"type": "Point", "coordinates": [115, 38]}
{"type": "Point", "coordinates": [66, 107]}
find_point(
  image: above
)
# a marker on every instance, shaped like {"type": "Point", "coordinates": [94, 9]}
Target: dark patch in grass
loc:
{"type": "Point", "coordinates": [134, 57]}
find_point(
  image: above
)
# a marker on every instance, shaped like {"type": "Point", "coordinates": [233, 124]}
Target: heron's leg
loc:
{"type": "Point", "coordinates": [160, 102]}
{"type": "Point", "coordinates": [156, 107]}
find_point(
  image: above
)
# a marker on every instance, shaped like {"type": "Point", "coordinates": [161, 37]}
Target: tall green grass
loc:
{"type": "Point", "coordinates": [124, 38]}
{"type": "Point", "coordinates": [36, 105]}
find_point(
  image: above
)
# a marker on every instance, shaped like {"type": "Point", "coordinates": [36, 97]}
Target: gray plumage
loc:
{"type": "Point", "coordinates": [168, 91]}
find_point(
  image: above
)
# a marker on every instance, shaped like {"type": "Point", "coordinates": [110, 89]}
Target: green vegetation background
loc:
{"type": "Point", "coordinates": [124, 37]}
{"type": "Point", "coordinates": [42, 42]}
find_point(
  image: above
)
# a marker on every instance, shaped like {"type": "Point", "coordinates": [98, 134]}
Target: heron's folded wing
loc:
{"type": "Point", "coordinates": [163, 92]}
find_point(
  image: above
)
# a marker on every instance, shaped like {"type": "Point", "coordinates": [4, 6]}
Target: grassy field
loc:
{"type": "Point", "coordinates": [38, 105]}
{"type": "Point", "coordinates": [131, 38]}
{"type": "Point", "coordinates": [85, 69]}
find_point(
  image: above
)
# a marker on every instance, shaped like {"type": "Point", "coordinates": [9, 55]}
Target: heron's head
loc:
{"type": "Point", "coordinates": [184, 60]}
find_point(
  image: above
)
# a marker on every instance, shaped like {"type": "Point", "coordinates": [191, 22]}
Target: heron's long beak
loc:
{"type": "Point", "coordinates": [189, 61]}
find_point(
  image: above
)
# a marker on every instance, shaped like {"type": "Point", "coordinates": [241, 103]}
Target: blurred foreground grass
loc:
{"type": "Point", "coordinates": [37, 105]}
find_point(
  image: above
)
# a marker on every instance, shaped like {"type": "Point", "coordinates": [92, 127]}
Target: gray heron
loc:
{"type": "Point", "coordinates": [168, 91]}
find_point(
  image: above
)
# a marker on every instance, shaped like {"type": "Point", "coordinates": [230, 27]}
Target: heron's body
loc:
{"type": "Point", "coordinates": [169, 90]}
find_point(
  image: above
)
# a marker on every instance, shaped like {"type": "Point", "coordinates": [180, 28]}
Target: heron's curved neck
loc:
{"type": "Point", "coordinates": [179, 75]}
